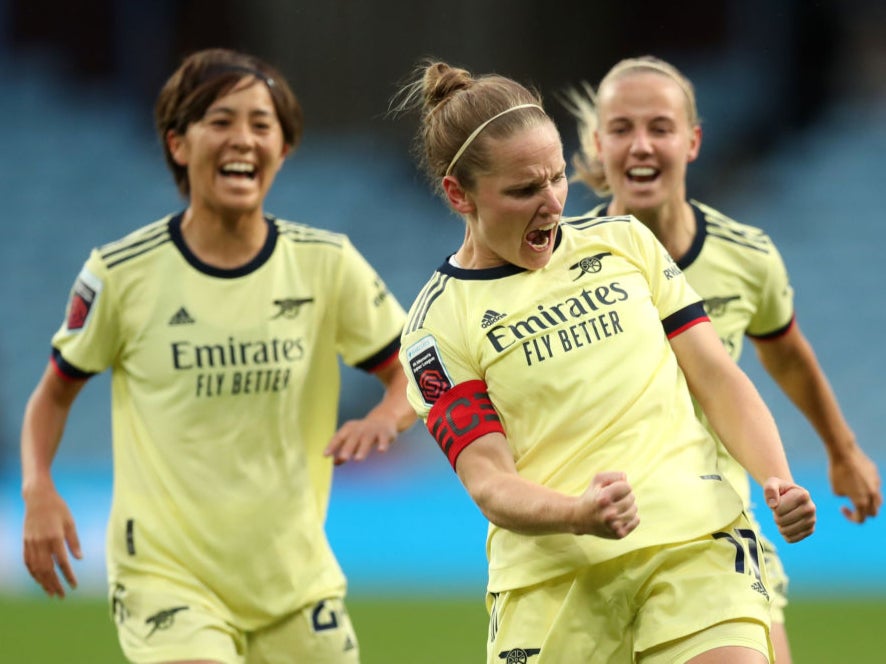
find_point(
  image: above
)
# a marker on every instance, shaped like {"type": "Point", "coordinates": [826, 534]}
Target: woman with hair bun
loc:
{"type": "Point", "coordinates": [553, 362]}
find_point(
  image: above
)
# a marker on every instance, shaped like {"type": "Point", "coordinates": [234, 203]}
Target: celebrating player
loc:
{"type": "Point", "coordinates": [638, 133]}
{"type": "Point", "coordinates": [223, 327]}
{"type": "Point", "coordinates": [550, 361]}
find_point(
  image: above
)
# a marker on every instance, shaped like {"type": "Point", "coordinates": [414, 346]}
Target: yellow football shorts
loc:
{"type": "Point", "coordinates": [778, 579]}
{"type": "Point", "coordinates": [164, 624]}
{"type": "Point", "coordinates": [659, 604]}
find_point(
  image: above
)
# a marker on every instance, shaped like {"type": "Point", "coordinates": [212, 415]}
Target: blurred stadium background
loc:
{"type": "Point", "coordinates": [793, 99]}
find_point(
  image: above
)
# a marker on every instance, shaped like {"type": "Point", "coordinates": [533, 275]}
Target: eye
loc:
{"type": "Point", "coordinates": [525, 192]}
{"type": "Point", "coordinates": [662, 128]}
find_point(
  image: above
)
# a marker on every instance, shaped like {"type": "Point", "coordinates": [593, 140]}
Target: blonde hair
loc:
{"type": "Point", "coordinates": [582, 104]}
{"type": "Point", "coordinates": [459, 112]}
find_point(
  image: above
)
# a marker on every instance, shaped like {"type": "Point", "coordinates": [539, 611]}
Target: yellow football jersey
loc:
{"type": "Point", "coordinates": [225, 389]}
{"type": "Point", "coordinates": [576, 360]}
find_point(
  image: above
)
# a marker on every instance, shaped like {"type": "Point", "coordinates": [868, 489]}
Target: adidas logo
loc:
{"type": "Point", "coordinates": [490, 317]}
{"type": "Point", "coordinates": [349, 644]}
{"type": "Point", "coordinates": [760, 588]}
{"type": "Point", "coordinates": [181, 317]}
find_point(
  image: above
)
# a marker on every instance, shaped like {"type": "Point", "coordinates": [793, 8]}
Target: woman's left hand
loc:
{"type": "Point", "coordinates": [357, 438]}
{"type": "Point", "coordinates": [792, 508]}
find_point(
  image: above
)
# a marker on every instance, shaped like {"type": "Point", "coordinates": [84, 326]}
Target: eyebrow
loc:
{"type": "Point", "coordinates": [230, 111]}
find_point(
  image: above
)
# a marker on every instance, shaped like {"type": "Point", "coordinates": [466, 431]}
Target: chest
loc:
{"type": "Point", "coordinates": [221, 335]}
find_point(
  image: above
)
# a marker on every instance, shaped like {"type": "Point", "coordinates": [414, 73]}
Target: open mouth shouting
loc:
{"type": "Point", "coordinates": [539, 239]}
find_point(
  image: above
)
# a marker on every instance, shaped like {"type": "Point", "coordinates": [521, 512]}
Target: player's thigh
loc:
{"type": "Point", "coordinates": [161, 623]}
{"type": "Point", "coordinates": [320, 633]}
{"type": "Point", "coordinates": [563, 620]}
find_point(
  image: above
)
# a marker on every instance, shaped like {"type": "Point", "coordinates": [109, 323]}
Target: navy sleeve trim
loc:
{"type": "Point", "coordinates": [769, 336]}
{"type": "Point", "coordinates": [683, 319]}
{"type": "Point", "coordinates": [68, 370]}
{"type": "Point", "coordinates": [382, 357]}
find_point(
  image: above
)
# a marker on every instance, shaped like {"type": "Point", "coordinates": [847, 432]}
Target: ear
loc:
{"type": "Point", "coordinates": [178, 147]}
{"type": "Point", "coordinates": [694, 144]}
{"type": "Point", "coordinates": [457, 196]}
{"type": "Point", "coordinates": [284, 153]}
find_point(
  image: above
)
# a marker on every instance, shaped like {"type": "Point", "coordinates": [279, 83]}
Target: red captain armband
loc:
{"type": "Point", "coordinates": [460, 416]}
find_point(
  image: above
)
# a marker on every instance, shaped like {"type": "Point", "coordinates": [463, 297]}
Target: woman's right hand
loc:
{"type": "Point", "coordinates": [49, 533]}
{"type": "Point", "coordinates": [608, 508]}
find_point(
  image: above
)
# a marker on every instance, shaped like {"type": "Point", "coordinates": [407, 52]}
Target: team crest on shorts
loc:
{"type": "Point", "coordinates": [427, 369]}
{"type": "Point", "coordinates": [518, 655]}
{"type": "Point", "coordinates": [83, 296]}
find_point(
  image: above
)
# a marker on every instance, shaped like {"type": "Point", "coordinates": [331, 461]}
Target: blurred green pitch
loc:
{"type": "Point", "coordinates": [35, 630]}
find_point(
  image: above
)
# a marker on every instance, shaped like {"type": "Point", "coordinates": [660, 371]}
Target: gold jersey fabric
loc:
{"type": "Point", "coordinates": [578, 366]}
{"type": "Point", "coordinates": [744, 284]}
{"type": "Point", "coordinates": [225, 388]}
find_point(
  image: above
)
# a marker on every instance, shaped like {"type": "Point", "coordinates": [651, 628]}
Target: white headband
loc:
{"type": "Point", "coordinates": [470, 139]}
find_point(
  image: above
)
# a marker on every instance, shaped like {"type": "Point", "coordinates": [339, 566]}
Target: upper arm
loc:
{"type": "Point", "coordinates": [481, 462]}
{"type": "Point", "coordinates": [389, 372]}
{"type": "Point", "coordinates": [779, 353]}
{"type": "Point", "coordinates": [55, 391]}
{"type": "Point", "coordinates": [702, 358]}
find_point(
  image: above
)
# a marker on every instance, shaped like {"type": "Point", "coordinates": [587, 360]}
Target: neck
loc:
{"type": "Point", "coordinates": [225, 242]}
{"type": "Point", "coordinates": [673, 224]}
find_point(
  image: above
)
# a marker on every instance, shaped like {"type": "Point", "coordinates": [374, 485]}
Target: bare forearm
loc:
{"type": "Point", "coordinates": [800, 377]}
{"type": "Point", "coordinates": [511, 502]}
{"type": "Point", "coordinates": [607, 508]}
{"type": "Point", "coordinates": [43, 425]}
{"type": "Point", "coordinates": [747, 428]}
{"type": "Point", "coordinates": [732, 404]}
{"type": "Point", "coordinates": [396, 409]}
{"type": "Point", "coordinates": [40, 439]}
{"type": "Point", "coordinates": [394, 406]}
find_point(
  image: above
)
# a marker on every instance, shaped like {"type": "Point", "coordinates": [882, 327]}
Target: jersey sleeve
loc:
{"type": "Point", "coordinates": [432, 351]}
{"type": "Point", "coordinates": [88, 339]}
{"type": "Point", "coordinates": [775, 309]}
{"type": "Point", "coordinates": [669, 288]}
{"type": "Point", "coordinates": [370, 318]}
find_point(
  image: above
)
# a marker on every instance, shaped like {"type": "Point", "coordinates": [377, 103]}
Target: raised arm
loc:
{"type": "Point", "coordinates": [744, 424]}
{"type": "Point", "coordinates": [791, 361]}
{"type": "Point", "coordinates": [49, 530]}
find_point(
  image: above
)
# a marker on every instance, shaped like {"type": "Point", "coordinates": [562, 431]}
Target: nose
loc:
{"type": "Point", "coordinates": [241, 135]}
{"type": "Point", "coordinates": [641, 143]}
{"type": "Point", "coordinates": [552, 204]}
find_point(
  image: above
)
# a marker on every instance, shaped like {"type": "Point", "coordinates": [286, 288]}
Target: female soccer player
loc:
{"type": "Point", "coordinates": [638, 133]}
{"type": "Point", "coordinates": [222, 327]}
{"type": "Point", "coordinates": [550, 361]}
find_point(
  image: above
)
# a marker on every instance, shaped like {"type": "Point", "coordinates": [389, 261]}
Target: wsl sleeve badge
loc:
{"type": "Point", "coordinates": [427, 369]}
{"type": "Point", "coordinates": [84, 296]}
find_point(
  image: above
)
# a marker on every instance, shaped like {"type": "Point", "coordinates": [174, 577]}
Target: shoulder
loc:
{"type": "Point", "coordinates": [435, 299]}
{"type": "Point", "coordinates": [726, 230]}
{"type": "Point", "coordinates": [136, 246]}
{"type": "Point", "coordinates": [596, 224]}
{"type": "Point", "coordinates": [304, 235]}
{"type": "Point", "coordinates": [620, 233]}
